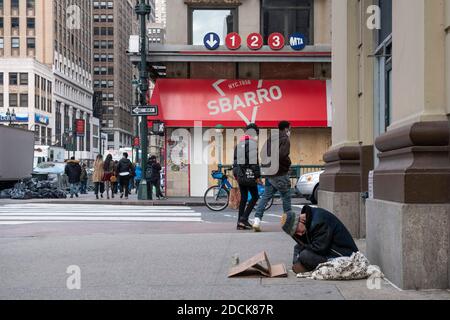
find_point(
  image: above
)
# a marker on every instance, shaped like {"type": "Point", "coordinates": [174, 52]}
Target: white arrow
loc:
{"type": "Point", "coordinates": [246, 120]}
{"type": "Point", "coordinates": [211, 42]}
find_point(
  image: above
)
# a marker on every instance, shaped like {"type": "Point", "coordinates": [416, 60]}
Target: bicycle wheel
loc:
{"type": "Point", "coordinates": [216, 199]}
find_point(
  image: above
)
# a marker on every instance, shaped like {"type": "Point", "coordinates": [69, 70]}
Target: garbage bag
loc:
{"type": "Point", "coordinates": [5, 194]}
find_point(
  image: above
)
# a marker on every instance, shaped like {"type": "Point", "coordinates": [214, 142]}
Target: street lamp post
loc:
{"type": "Point", "coordinates": [143, 9]}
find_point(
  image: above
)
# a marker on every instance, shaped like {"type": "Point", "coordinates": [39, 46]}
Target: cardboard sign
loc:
{"type": "Point", "coordinates": [258, 266]}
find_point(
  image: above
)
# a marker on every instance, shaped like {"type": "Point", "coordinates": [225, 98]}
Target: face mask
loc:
{"type": "Point", "coordinates": [288, 133]}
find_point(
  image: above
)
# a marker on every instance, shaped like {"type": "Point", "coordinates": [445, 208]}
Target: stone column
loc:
{"type": "Point", "coordinates": [408, 221]}
{"type": "Point", "coordinates": [351, 156]}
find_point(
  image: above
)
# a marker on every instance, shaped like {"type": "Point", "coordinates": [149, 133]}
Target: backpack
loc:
{"type": "Point", "coordinates": [246, 176]}
{"type": "Point", "coordinates": [149, 172]}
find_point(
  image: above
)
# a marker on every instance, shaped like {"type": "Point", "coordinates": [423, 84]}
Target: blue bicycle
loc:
{"type": "Point", "coordinates": [217, 197]}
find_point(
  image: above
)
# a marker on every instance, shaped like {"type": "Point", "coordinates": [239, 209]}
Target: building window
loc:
{"type": "Point", "coordinates": [13, 100]}
{"type": "Point", "coordinates": [43, 134]}
{"type": "Point", "coordinates": [2, 43]}
{"type": "Point", "coordinates": [37, 99]}
{"type": "Point", "coordinates": [15, 4]}
{"type": "Point", "coordinates": [202, 21]}
{"type": "Point", "coordinates": [24, 79]}
{"type": "Point", "coordinates": [1, 78]}
{"type": "Point", "coordinates": [30, 4]}
{"type": "Point", "coordinates": [24, 100]}
{"type": "Point", "coordinates": [383, 70]}
{"type": "Point", "coordinates": [31, 43]}
{"type": "Point", "coordinates": [287, 17]}
{"type": "Point", "coordinates": [13, 79]}
{"type": "Point", "coordinates": [15, 23]}
{"type": "Point", "coordinates": [1, 22]}
{"type": "Point", "coordinates": [15, 43]}
{"type": "Point", "coordinates": [31, 24]}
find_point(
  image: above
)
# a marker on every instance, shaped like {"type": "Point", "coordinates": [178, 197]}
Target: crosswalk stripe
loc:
{"type": "Point", "coordinates": [35, 212]}
{"type": "Point", "coordinates": [143, 219]}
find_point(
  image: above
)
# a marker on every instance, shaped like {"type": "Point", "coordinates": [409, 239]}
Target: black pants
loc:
{"type": "Point", "coordinates": [99, 186]}
{"type": "Point", "coordinates": [157, 185]}
{"type": "Point", "coordinates": [244, 208]}
{"type": "Point", "coordinates": [309, 259]}
{"type": "Point", "coordinates": [124, 184]}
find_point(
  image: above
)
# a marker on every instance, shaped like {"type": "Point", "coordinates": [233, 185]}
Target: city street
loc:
{"type": "Point", "coordinates": [341, 106]}
{"type": "Point", "coordinates": [138, 252]}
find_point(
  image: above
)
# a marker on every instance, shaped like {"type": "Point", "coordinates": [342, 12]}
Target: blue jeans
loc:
{"type": "Point", "coordinates": [74, 188]}
{"type": "Point", "coordinates": [281, 184]}
{"type": "Point", "coordinates": [83, 187]}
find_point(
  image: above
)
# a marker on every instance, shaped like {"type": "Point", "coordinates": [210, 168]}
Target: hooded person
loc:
{"type": "Point", "coordinates": [73, 172]}
{"type": "Point", "coordinates": [153, 178]}
{"type": "Point", "coordinates": [320, 236]}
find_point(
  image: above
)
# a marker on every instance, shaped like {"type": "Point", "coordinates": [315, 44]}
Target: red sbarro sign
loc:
{"type": "Point", "coordinates": [234, 103]}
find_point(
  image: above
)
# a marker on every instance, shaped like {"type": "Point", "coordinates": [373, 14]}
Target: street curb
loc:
{"type": "Point", "coordinates": [119, 203]}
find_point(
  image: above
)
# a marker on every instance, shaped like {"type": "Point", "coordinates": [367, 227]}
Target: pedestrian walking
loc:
{"type": "Point", "coordinates": [115, 184]}
{"type": "Point", "coordinates": [277, 175]}
{"type": "Point", "coordinates": [73, 172]}
{"type": "Point", "coordinates": [83, 179]}
{"type": "Point", "coordinates": [247, 172]}
{"type": "Point", "coordinates": [153, 177]}
{"type": "Point", "coordinates": [109, 173]}
{"type": "Point", "coordinates": [97, 178]}
{"type": "Point", "coordinates": [125, 172]}
{"type": "Point", "coordinates": [138, 176]}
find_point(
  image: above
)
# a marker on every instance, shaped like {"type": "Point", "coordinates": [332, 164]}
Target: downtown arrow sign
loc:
{"type": "Point", "coordinates": [138, 111]}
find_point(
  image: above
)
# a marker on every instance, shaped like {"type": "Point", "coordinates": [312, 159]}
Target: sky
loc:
{"type": "Point", "coordinates": [205, 21]}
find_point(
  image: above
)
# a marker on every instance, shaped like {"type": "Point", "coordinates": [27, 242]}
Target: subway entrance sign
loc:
{"type": "Point", "coordinates": [138, 111]}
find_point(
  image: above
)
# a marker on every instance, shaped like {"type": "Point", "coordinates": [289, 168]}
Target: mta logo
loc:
{"type": "Point", "coordinates": [296, 41]}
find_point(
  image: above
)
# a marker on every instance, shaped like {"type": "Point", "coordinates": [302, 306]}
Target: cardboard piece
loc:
{"type": "Point", "coordinates": [258, 266]}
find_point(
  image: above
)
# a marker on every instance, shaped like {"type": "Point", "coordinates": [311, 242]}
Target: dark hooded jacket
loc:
{"type": "Point", "coordinates": [155, 170]}
{"type": "Point", "coordinates": [326, 235]}
{"type": "Point", "coordinates": [73, 171]}
{"type": "Point", "coordinates": [125, 165]}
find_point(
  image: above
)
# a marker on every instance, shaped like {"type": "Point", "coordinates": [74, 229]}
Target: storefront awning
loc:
{"type": "Point", "coordinates": [233, 103]}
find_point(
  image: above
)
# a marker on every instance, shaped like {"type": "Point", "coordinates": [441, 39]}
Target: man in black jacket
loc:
{"type": "Point", "coordinates": [247, 172]}
{"type": "Point", "coordinates": [125, 171]}
{"type": "Point", "coordinates": [320, 236]}
{"type": "Point", "coordinates": [153, 177]}
{"type": "Point", "coordinates": [73, 172]}
{"type": "Point", "coordinates": [277, 176]}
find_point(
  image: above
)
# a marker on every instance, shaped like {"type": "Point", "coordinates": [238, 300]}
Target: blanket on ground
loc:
{"type": "Point", "coordinates": [356, 267]}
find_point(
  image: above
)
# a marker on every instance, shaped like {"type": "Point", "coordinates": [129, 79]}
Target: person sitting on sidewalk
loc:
{"type": "Point", "coordinates": [320, 236]}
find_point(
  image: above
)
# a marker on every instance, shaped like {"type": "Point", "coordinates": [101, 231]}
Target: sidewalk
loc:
{"type": "Point", "coordinates": [132, 201]}
{"type": "Point", "coordinates": [169, 266]}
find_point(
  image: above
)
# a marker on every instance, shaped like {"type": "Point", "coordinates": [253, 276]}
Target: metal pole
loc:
{"type": "Point", "coordinates": [143, 10]}
{"type": "Point", "coordinates": [137, 125]}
